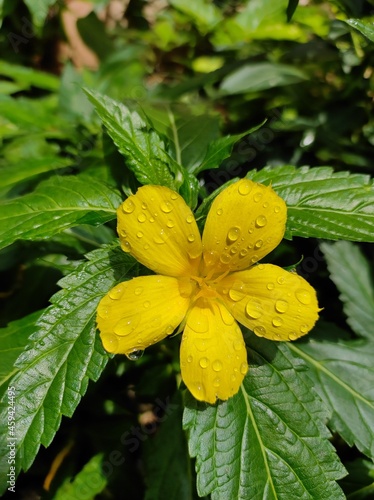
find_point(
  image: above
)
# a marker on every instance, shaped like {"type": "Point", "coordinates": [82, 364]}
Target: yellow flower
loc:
{"type": "Point", "coordinates": [206, 284]}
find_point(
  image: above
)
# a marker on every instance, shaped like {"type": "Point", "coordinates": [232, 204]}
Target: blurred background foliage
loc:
{"type": "Point", "coordinates": [303, 68]}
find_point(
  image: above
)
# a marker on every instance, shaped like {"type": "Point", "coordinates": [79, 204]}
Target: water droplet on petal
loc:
{"type": "Point", "coordinates": [123, 233]}
{"type": "Point", "coordinates": [257, 196]}
{"type": "Point", "coordinates": [134, 355]}
{"type": "Point", "coordinates": [260, 331]}
{"type": "Point", "coordinates": [303, 296]}
{"type": "Point", "coordinates": [138, 290]}
{"type": "Point", "coordinates": [233, 234]}
{"type": "Point", "coordinates": [126, 326]}
{"type": "Point", "coordinates": [116, 292]}
{"type": "Point", "coordinates": [166, 207]}
{"type": "Point", "coordinates": [243, 368]}
{"type": "Point", "coordinates": [111, 343]}
{"type": "Point", "coordinates": [203, 362]}
{"type": "Point", "coordinates": [277, 209]}
{"type": "Point", "coordinates": [189, 359]}
{"type": "Point", "coordinates": [243, 252]}
{"type": "Point", "coordinates": [146, 246]}
{"type": "Point", "coordinates": [281, 280]}
{"type": "Point", "coordinates": [227, 318]}
{"type": "Point", "coordinates": [244, 188]}
{"type": "Point", "coordinates": [253, 309]}
{"type": "Point", "coordinates": [217, 365]}
{"type": "Point", "coordinates": [281, 306]}
{"type": "Point", "coordinates": [103, 312]}
{"type": "Point", "coordinates": [254, 259]}
{"type": "Point", "coordinates": [219, 211]}
{"type": "Point", "coordinates": [293, 336]}
{"type": "Point", "coordinates": [170, 224]}
{"type": "Point", "coordinates": [304, 328]}
{"type": "Point", "coordinates": [210, 258]}
{"type": "Point", "coordinates": [238, 345]}
{"type": "Point", "coordinates": [139, 234]}
{"type": "Point", "coordinates": [151, 219]}
{"type": "Point", "coordinates": [142, 217]}
{"type": "Point", "coordinates": [128, 206]}
{"type": "Point", "coordinates": [126, 246]}
{"type": "Point", "coordinates": [225, 258]}
{"type": "Point", "coordinates": [216, 382]}
{"type": "Point", "coordinates": [259, 244]}
{"type": "Point", "coordinates": [146, 304]}
{"type": "Point", "coordinates": [169, 330]}
{"type": "Point", "coordinates": [198, 324]}
{"type": "Point", "coordinates": [189, 219]}
{"type": "Point", "coordinates": [174, 196]}
{"type": "Point", "coordinates": [261, 221]}
{"type": "Point", "coordinates": [160, 238]}
{"type": "Point", "coordinates": [144, 205]}
{"type": "Point", "coordinates": [277, 322]}
{"type": "Point", "coordinates": [237, 293]}
{"type": "Point", "coordinates": [270, 286]}
{"type": "Point", "coordinates": [266, 204]}
{"type": "Point", "coordinates": [191, 238]}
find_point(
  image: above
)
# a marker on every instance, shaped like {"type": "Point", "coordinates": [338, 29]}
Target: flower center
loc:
{"type": "Point", "coordinates": [205, 286]}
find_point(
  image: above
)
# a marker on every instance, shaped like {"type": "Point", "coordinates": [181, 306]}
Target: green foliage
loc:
{"type": "Point", "coordinates": [192, 95]}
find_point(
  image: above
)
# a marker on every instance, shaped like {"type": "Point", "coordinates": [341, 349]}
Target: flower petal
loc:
{"type": "Point", "coordinates": [273, 303]}
{"type": "Point", "coordinates": [213, 354]}
{"type": "Point", "coordinates": [157, 227]}
{"type": "Point", "coordinates": [137, 313]}
{"type": "Point", "coordinates": [246, 221]}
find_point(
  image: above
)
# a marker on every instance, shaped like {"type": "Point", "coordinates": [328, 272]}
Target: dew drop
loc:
{"type": "Point", "coordinates": [160, 238]}
{"type": "Point", "coordinates": [174, 196]}
{"type": "Point", "coordinates": [139, 234]}
{"type": "Point", "coordinates": [253, 310]}
{"type": "Point", "coordinates": [266, 204]}
{"type": "Point", "coordinates": [138, 290]}
{"type": "Point", "coordinates": [126, 246]}
{"type": "Point", "coordinates": [189, 219]}
{"type": "Point", "coordinates": [219, 211]}
{"type": "Point", "coordinates": [277, 209]}
{"type": "Point", "coordinates": [128, 206]}
{"type": "Point", "coordinates": [151, 220]}
{"type": "Point", "coordinates": [233, 250]}
{"type": "Point", "coordinates": [270, 286]}
{"type": "Point", "coordinates": [238, 345]}
{"type": "Point", "coordinates": [261, 221]}
{"type": "Point", "coordinates": [280, 280]}
{"type": "Point", "coordinates": [144, 205]}
{"type": "Point", "coordinates": [170, 224]}
{"type": "Point", "coordinates": [303, 296]}
{"type": "Point", "coordinates": [169, 330]}
{"type": "Point", "coordinates": [134, 355]}
{"type": "Point", "coordinates": [257, 196]}
{"type": "Point", "coordinates": [243, 368]}
{"type": "Point", "coordinates": [123, 233]}
{"type": "Point", "coordinates": [237, 293]}
{"type": "Point", "coordinates": [199, 324]}
{"type": "Point", "coordinates": [293, 336]}
{"type": "Point", "coordinates": [203, 362]}
{"type": "Point", "coordinates": [217, 365]}
{"type": "Point", "coordinates": [254, 259]}
{"type": "Point", "coordinates": [166, 207]}
{"type": "Point", "coordinates": [304, 328]}
{"type": "Point", "coordinates": [142, 217]}
{"type": "Point", "coordinates": [216, 382]}
{"type": "Point", "coordinates": [277, 322]}
{"type": "Point", "coordinates": [259, 244]}
{"type": "Point", "coordinates": [191, 238]}
{"type": "Point", "coordinates": [111, 343]}
{"type": "Point", "coordinates": [243, 252]}
{"type": "Point", "coordinates": [210, 258]}
{"type": "Point", "coordinates": [227, 318]}
{"type": "Point", "coordinates": [103, 312]}
{"type": "Point", "coordinates": [225, 258]}
{"type": "Point", "coordinates": [116, 292]}
{"type": "Point", "coordinates": [233, 234]}
{"type": "Point", "coordinates": [281, 306]}
{"type": "Point", "coordinates": [244, 188]}
{"type": "Point", "coordinates": [233, 378]}
{"type": "Point", "coordinates": [259, 331]}
{"type": "Point", "coordinates": [146, 304]}
{"type": "Point", "coordinates": [146, 246]}
{"type": "Point", "coordinates": [189, 359]}
{"type": "Point", "coordinates": [126, 326]}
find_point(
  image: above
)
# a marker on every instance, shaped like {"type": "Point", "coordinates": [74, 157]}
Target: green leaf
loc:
{"type": "Point", "coordinates": [166, 461]}
{"type": "Point", "coordinates": [269, 440]}
{"type": "Point", "coordinates": [359, 484]}
{"type": "Point", "coordinates": [142, 147]}
{"type": "Point", "coordinates": [364, 26]}
{"type": "Point", "coordinates": [344, 378]}
{"type": "Point", "coordinates": [13, 340]}
{"type": "Point", "coordinates": [29, 77]}
{"type": "Point", "coordinates": [205, 14]}
{"type": "Point", "coordinates": [64, 355]}
{"type": "Point", "coordinates": [291, 7]}
{"type": "Point", "coordinates": [254, 77]}
{"type": "Point", "coordinates": [39, 10]}
{"type": "Point", "coordinates": [350, 271]}
{"type": "Point", "coordinates": [323, 203]}
{"type": "Point", "coordinates": [55, 205]}
{"type": "Point", "coordinates": [88, 483]}
{"type": "Point", "coordinates": [220, 149]}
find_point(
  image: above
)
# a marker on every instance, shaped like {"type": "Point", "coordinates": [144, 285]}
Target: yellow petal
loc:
{"type": "Point", "coordinates": [213, 354]}
{"type": "Point", "coordinates": [270, 301]}
{"type": "Point", "coordinates": [137, 313]}
{"type": "Point", "coordinates": [157, 227]}
{"type": "Point", "coordinates": [246, 221]}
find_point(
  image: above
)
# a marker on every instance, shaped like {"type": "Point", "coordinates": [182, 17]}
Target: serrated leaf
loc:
{"type": "Point", "coordinates": [55, 205]}
{"type": "Point", "coordinates": [88, 483]}
{"type": "Point", "coordinates": [269, 440]}
{"type": "Point", "coordinates": [322, 203]}
{"type": "Point", "coordinates": [144, 150]}
{"type": "Point", "coordinates": [13, 340]}
{"type": "Point", "coordinates": [364, 26]}
{"type": "Point", "coordinates": [350, 271]}
{"type": "Point", "coordinates": [166, 461]}
{"type": "Point", "coordinates": [343, 374]}
{"type": "Point", "coordinates": [65, 353]}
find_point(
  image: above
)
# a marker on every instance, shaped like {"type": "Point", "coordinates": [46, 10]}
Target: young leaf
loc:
{"type": "Point", "coordinates": [344, 378]}
{"type": "Point", "coordinates": [166, 461]}
{"type": "Point", "coordinates": [55, 205]}
{"type": "Point", "coordinates": [268, 441]}
{"type": "Point", "coordinates": [350, 271]}
{"type": "Point", "coordinates": [322, 203]}
{"type": "Point", "coordinates": [88, 483]}
{"type": "Point", "coordinates": [65, 353]}
{"type": "Point", "coordinates": [142, 147]}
